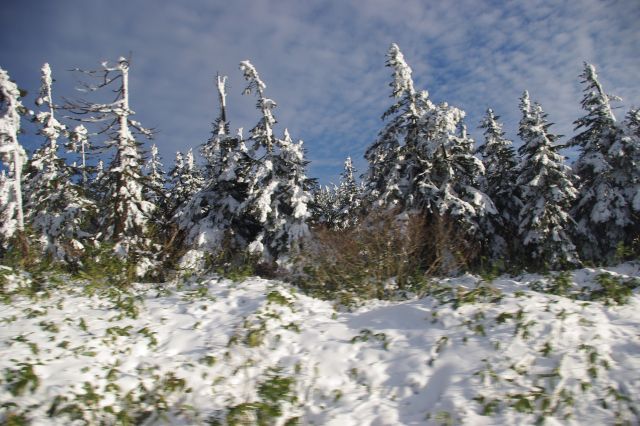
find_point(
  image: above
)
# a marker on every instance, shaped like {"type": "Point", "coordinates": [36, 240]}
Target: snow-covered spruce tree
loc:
{"type": "Point", "coordinates": [391, 157]}
{"type": "Point", "coordinates": [192, 177]}
{"type": "Point", "coordinates": [292, 198]}
{"type": "Point", "coordinates": [603, 212]}
{"type": "Point", "coordinates": [211, 220]}
{"type": "Point", "coordinates": [156, 180]}
{"type": "Point", "coordinates": [423, 158]}
{"type": "Point", "coordinates": [498, 156]}
{"type": "Point", "coordinates": [13, 156]}
{"type": "Point", "coordinates": [324, 206]}
{"type": "Point", "coordinates": [176, 196]}
{"type": "Point", "coordinates": [55, 206]}
{"type": "Point", "coordinates": [449, 183]}
{"type": "Point", "coordinates": [155, 190]}
{"type": "Point", "coordinates": [348, 198]}
{"type": "Point", "coordinates": [79, 143]}
{"type": "Point", "coordinates": [186, 181]}
{"type": "Point", "coordinates": [423, 161]}
{"type": "Point", "coordinates": [629, 153]}
{"type": "Point", "coordinates": [126, 212]}
{"type": "Point", "coordinates": [211, 150]}
{"type": "Point", "coordinates": [50, 127]}
{"type": "Point", "coordinates": [547, 193]}
{"type": "Point", "coordinates": [626, 152]}
{"type": "Point", "coordinates": [276, 205]}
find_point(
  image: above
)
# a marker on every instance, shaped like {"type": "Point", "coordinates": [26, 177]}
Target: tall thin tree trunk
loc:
{"type": "Point", "coordinates": [17, 186]}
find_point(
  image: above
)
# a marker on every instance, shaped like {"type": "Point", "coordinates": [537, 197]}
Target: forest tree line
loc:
{"type": "Point", "coordinates": [431, 201]}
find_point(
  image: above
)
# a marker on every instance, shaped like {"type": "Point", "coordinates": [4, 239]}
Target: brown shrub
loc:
{"type": "Point", "coordinates": [383, 253]}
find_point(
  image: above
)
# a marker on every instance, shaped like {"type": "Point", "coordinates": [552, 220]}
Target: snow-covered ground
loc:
{"type": "Point", "coordinates": [207, 349]}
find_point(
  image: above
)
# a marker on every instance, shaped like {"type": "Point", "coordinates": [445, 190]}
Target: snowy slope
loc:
{"type": "Point", "coordinates": [258, 351]}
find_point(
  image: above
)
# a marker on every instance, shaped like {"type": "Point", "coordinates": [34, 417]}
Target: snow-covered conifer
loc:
{"type": "Point", "coordinates": [629, 154]}
{"type": "Point", "coordinates": [448, 184]}
{"type": "Point", "coordinates": [126, 212]}
{"type": "Point", "coordinates": [500, 164]}
{"type": "Point", "coordinates": [186, 180]}
{"type": "Point", "coordinates": [324, 206]}
{"type": "Point", "coordinates": [278, 193]}
{"type": "Point", "coordinates": [12, 155]}
{"type": "Point", "coordinates": [262, 213]}
{"type": "Point", "coordinates": [292, 197]}
{"type": "Point", "coordinates": [54, 204]}
{"type": "Point", "coordinates": [210, 150]}
{"type": "Point", "coordinates": [337, 206]}
{"type": "Point", "coordinates": [212, 219]}
{"type": "Point", "coordinates": [348, 198]}
{"type": "Point", "coordinates": [599, 119]}
{"type": "Point", "coordinates": [602, 211]}
{"type": "Point", "coordinates": [51, 128]}
{"type": "Point", "coordinates": [155, 190]}
{"type": "Point", "coordinates": [423, 159]}
{"type": "Point", "coordinates": [625, 156]}
{"type": "Point", "coordinates": [45, 159]}
{"type": "Point", "coordinates": [391, 156]}
{"type": "Point", "coordinates": [176, 195]}
{"type": "Point", "coordinates": [547, 193]}
{"type": "Point", "coordinates": [193, 179]}
{"type": "Point", "coordinates": [421, 136]}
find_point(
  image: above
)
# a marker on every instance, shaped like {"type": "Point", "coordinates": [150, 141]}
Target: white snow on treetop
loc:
{"type": "Point", "coordinates": [402, 81]}
{"type": "Point", "coordinates": [251, 75]}
{"type": "Point", "coordinates": [47, 81]}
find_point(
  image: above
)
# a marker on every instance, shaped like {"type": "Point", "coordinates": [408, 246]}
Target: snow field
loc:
{"type": "Point", "coordinates": [209, 350]}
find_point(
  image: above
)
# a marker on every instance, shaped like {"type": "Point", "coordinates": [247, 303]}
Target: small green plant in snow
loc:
{"type": "Point", "coordinates": [22, 379]}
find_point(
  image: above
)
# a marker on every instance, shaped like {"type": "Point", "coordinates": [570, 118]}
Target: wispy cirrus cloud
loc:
{"type": "Point", "coordinates": [323, 62]}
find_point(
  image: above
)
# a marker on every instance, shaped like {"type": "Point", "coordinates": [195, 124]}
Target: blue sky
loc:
{"type": "Point", "coordinates": [323, 61]}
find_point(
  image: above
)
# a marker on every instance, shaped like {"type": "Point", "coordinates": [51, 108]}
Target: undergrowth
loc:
{"type": "Point", "coordinates": [380, 256]}
{"type": "Point", "coordinates": [275, 392]}
{"type": "Point", "coordinates": [607, 288]}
